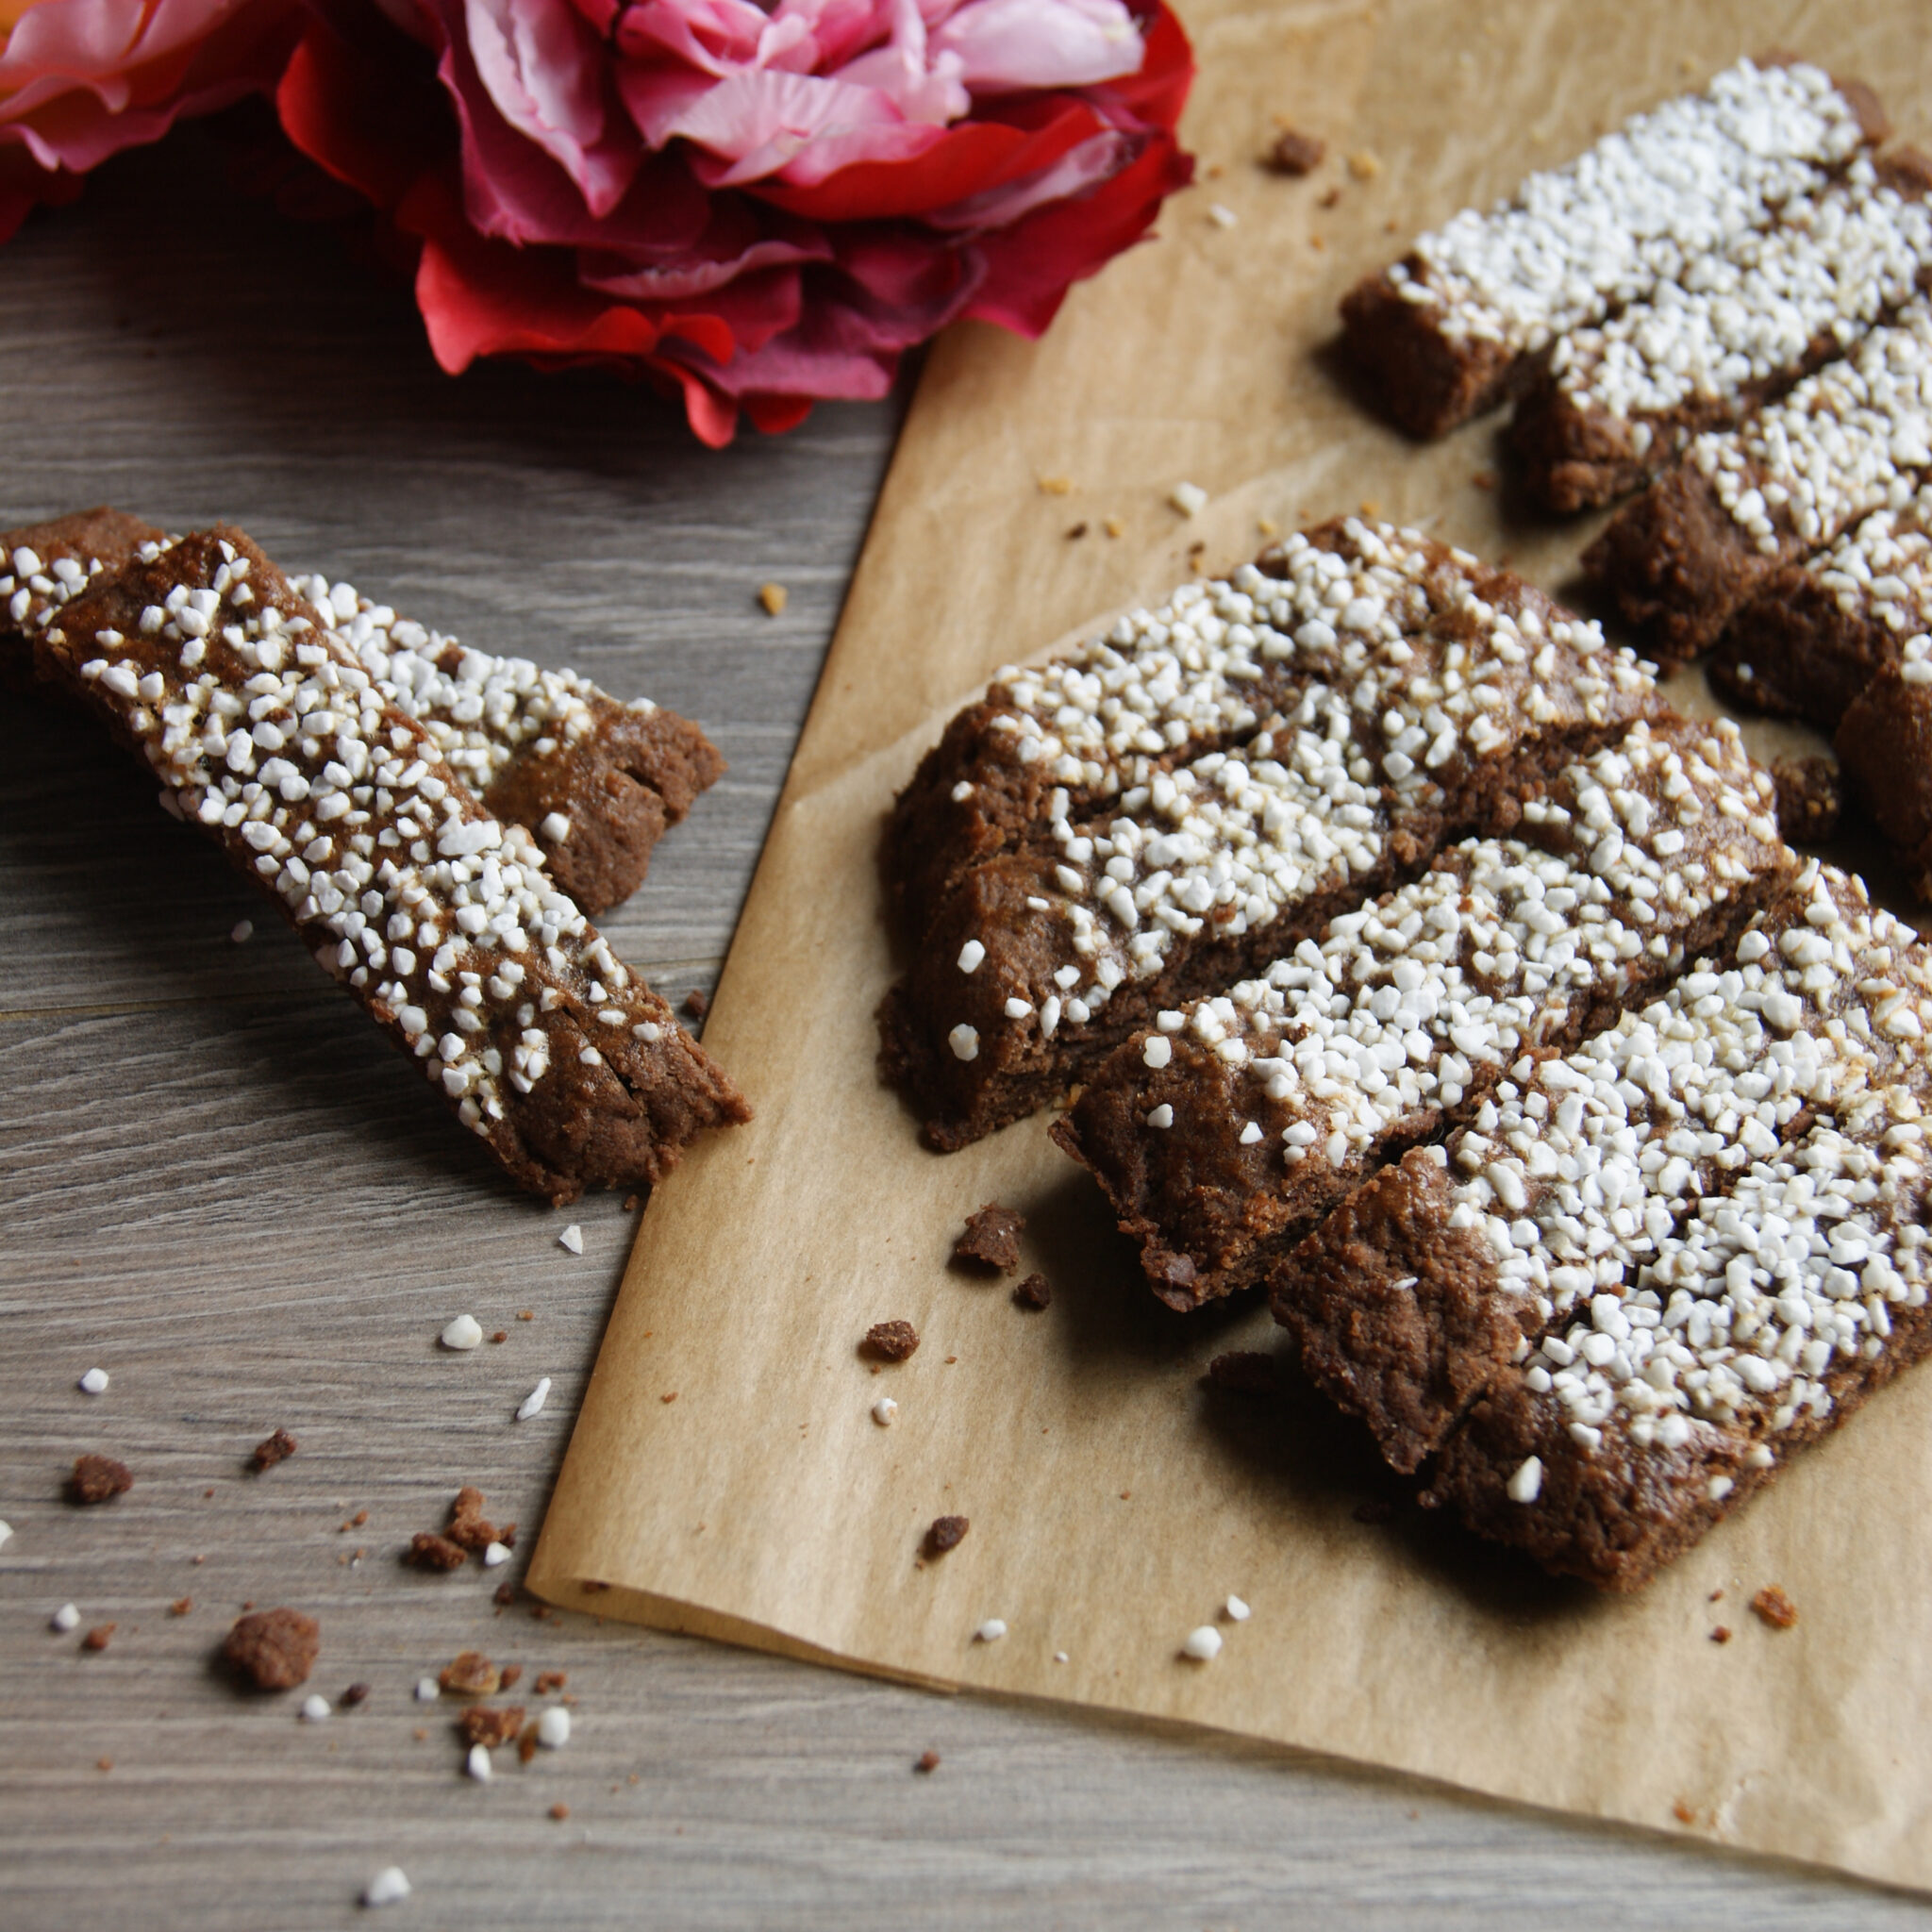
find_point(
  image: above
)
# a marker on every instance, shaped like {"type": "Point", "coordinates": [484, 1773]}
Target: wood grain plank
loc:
{"type": "Point", "coordinates": [216, 1184]}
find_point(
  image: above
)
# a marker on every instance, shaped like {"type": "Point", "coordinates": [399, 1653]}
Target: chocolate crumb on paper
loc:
{"type": "Point", "coordinates": [1774, 1607]}
{"type": "Point", "coordinates": [947, 1533]}
{"type": "Point", "coordinates": [1036, 1292]}
{"type": "Point", "coordinates": [992, 1238]}
{"type": "Point", "coordinates": [1722, 1634]}
{"type": "Point", "coordinates": [891, 1341]}
{"type": "Point", "coordinates": [271, 1450]}
{"type": "Point", "coordinates": [273, 1650]}
{"type": "Point", "coordinates": [1297, 154]}
{"type": "Point", "coordinates": [1245, 1372]}
{"type": "Point", "coordinates": [98, 1479]}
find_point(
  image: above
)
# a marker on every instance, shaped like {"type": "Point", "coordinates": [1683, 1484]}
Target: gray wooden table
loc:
{"type": "Point", "coordinates": [218, 1185]}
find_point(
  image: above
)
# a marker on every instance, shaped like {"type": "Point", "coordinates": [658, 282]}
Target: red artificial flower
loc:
{"type": "Point", "coordinates": [758, 207]}
{"type": "Point", "coordinates": [82, 80]}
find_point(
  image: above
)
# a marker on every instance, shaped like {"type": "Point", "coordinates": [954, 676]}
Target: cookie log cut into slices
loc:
{"type": "Point", "coordinates": [438, 918]}
{"type": "Point", "coordinates": [1448, 331]}
{"type": "Point", "coordinates": [1617, 403]}
{"type": "Point", "coordinates": [1207, 785]}
{"type": "Point", "coordinates": [1853, 438]}
{"type": "Point", "coordinates": [1817, 632]}
{"type": "Point", "coordinates": [1223, 1134]}
{"type": "Point", "coordinates": [595, 782]}
{"type": "Point", "coordinates": [1614, 1304]}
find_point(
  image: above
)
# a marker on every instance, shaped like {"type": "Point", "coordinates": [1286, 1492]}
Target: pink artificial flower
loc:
{"type": "Point", "coordinates": [82, 80]}
{"type": "Point", "coordinates": [758, 204]}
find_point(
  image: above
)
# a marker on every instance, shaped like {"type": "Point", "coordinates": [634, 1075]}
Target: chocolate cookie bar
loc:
{"type": "Point", "coordinates": [1416, 1293]}
{"type": "Point", "coordinates": [1816, 633]}
{"type": "Point", "coordinates": [43, 565]}
{"type": "Point", "coordinates": [1679, 1254]}
{"type": "Point", "coordinates": [437, 918]}
{"type": "Point", "coordinates": [1444, 333]}
{"type": "Point", "coordinates": [1362, 731]}
{"type": "Point", "coordinates": [1617, 403]}
{"type": "Point", "coordinates": [1223, 1134]}
{"type": "Point", "coordinates": [1852, 438]}
{"type": "Point", "coordinates": [596, 782]}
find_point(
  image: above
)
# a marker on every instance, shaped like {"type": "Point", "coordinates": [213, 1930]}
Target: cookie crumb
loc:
{"type": "Point", "coordinates": [274, 1650]}
{"type": "Point", "coordinates": [1056, 486]}
{"type": "Point", "coordinates": [1774, 1607]}
{"type": "Point", "coordinates": [272, 1450]}
{"type": "Point", "coordinates": [500, 1335]}
{"type": "Point", "coordinates": [428, 1551]}
{"type": "Point", "coordinates": [1036, 1292]}
{"type": "Point", "coordinates": [490, 1724]}
{"type": "Point", "coordinates": [104, 1764]}
{"type": "Point", "coordinates": [469, 1673]}
{"type": "Point", "coordinates": [1365, 165]}
{"type": "Point", "coordinates": [98, 1479]}
{"type": "Point", "coordinates": [947, 1533]}
{"type": "Point", "coordinates": [891, 1341]}
{"type": "Point", "coordinates": [560, 1811]}
{"type": "Point", "coordinates": [1330, 197]}
{"type": "Point", "coordinates": [992, 1238]}
{"type": "Point", "coordinates": [1113, 526]}
{"type": "Point", "coordinates": [99, 1637]}
{"type": "Point", "coordinates": [1075, 531]}
{"type": "Point", "coordinates": [180, 1607]}
{"type": "Point", "coordinates": [773, 597]}
{"type": "Point", "coordinates": [355, 1695]}
{"type": "Point", "coordinates": [1683, 1813]}
{"type": "Point", "coordinates": [548, 1681]}
{"type": "Point", "coordinates": [505, 1596]}
{"type": "Point", "coordinates": [697, 1002]}
{"type": "Point", "coordinates": [526, 1314]}
{"type": "Point", "coordinates": [511, 1674]}
{"type": "Point", "coordinates": [1484, 479]}
{"type": "Point", "coordinates": [1722, 1634]}
{"type": "Point", "coordinates": [927, 1762]}
{"type": "Point", "coordinates": [1297, 154]}
{"type": "Point", "coordinates": [1809, 799]}
{"type": "Point", "coordinates": [469, 1529]}
{"type": "Point", "coordinates": [1245, 1370]}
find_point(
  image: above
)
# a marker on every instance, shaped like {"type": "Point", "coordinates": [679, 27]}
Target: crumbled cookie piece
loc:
{"type": "Point", "coordinates": [511, 1674]}
{"type": "Point", "coordinates": [469, 1529]}
{"type": "Point", "coordinates": [992, 1238]}
{"type": "Point", "coordinates": [97, 1478]}
{"type": "Point", "coordinates": [527, 1744]}
{"type": "Point", "coordinates": [272, 1450]}
{"type": "Point", "coordinates": [1036, 1292]}
{"type": "Point", "coordinates": [470, 1673]}
{"type": "Point", "coordinates": [1809, 799]}
{"type": "Point", "coordinates": [428, 1551]}
{"type": "Point", "coordinates": [490, 1724]}
{"type": "Point", "coordinates": [273, 1650]}
{"type": "Point", "coordinates": [927, 1762]}
{"type": "Point", "coordinates": [355, 1695]}
{"type": "Point", "coordinates": [1296, 153]}
{"type": "Point", "coordinates": [99, 1637]}
{"type": "Point", "coordinates": [1245, 1370]}
{"type": "Point", "coordinates": [697, 1002]}
{"type": "Point", "coordinates": [560, 1811]}
{"type": "Point", "coordinates": [947, 1533]}
{"type": "Point", "coordinates": [1722, 1634]}
{"type": "Point", "coordinates": [1774, 1607]}
{"type": "Point", "coordinates": [504, 1595]}
{"type": "Point", "coordinates": [548, 1681]}
{"type": "Point", "coordinates": [891, 1341]}
{"type": "Point", "coordinates": [180, 1607]}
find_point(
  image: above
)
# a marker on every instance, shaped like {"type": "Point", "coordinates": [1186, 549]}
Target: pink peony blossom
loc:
{"type": "Point", "coordinates": [82, 80]}
{"type": "Point", "coordinates": [757, 206]}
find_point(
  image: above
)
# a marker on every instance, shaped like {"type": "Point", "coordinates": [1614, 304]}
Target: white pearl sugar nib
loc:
{"type": "Point", "coordinates": [884, 1411]}
{"type": "Point", "coordinates": [1203, 1644]}
{"type": "Point", "coordinates": [532, 1405]}
{"type": "Point", "coordinates": [65, 1618]}
{"type": "Point", "coordinates": [553, 1727]}
{"type": "Point", "coordinates": [465, 1332]}
{"type": "Point", "coordinates": [388, 1886]}
{"type": "Point", "coordinates": [1238, 1611]}
{"type": "Point", "coordinates": [990, 1631]}
{"type": "Point", "coordinates": [573, 1239]}
{"type": "Point", "coordinates": [477, 1764]}
{"type": "Point", "coordinates": [95, 1382]}
{"type": "Point", "coordinates": [314, 1709]}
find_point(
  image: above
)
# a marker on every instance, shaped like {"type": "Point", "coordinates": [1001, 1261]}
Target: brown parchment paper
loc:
{"type": "Point", "coordinates": [1114, 1500]}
